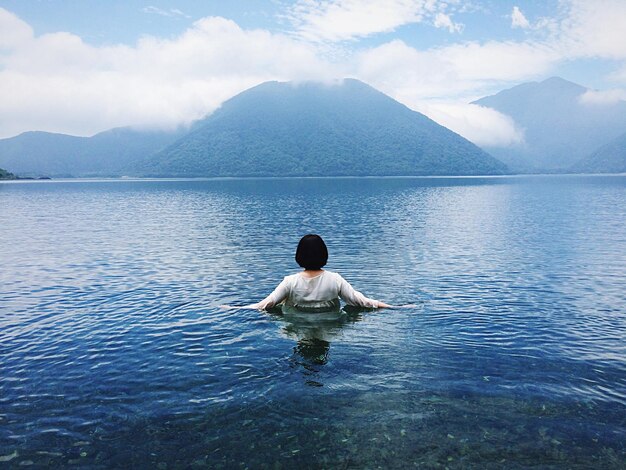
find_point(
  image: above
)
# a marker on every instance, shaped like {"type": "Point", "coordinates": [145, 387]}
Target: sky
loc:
{"type": "Point", "coordinates": [84, 66]}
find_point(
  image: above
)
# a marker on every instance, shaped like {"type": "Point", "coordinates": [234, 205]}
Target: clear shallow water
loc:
{"type": "Point", "coordinates": [114, 352]}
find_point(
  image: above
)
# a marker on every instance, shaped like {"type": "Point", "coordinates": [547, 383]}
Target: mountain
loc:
{"type": "Point", "coordinates": [312, 129]}
{"type": "Point", "coordinates": [5, 175]}
{"type": "Point", "coordinates": [610, 158]}
{"type": "Point", "coordinates": [108, 153]}
{"type": "Point", "coordinates": [560, 127]}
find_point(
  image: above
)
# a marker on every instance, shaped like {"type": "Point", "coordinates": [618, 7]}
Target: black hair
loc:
{"type": "Point", "coordinates": [311, 252]}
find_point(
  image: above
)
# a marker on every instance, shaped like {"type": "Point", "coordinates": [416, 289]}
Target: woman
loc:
{"type": "Point", "coordinates": [315, 289]}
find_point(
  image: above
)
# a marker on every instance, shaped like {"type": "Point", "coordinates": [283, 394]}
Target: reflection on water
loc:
{"type": "Point", "coordinates": [114, 352]}
{"type": "Point", "coordinates": [314, 333]}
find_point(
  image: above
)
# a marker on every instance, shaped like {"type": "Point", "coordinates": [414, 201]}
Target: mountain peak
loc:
{"type": "Point", "coordinates": [308, 85]}
{"type": "Point", "coordinates": [310, 128]}
{"type": "Point", "coordinates": [558, 128]}
{"type": "Point", "coordinates": [535, 91]}
{"type": "Point", "coordinates": [555, 79]}
{"type": "Point", "coordinates": [561, 83]}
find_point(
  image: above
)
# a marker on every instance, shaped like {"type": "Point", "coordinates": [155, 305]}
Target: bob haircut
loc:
{"type": "Point", "coordinates": [311, 252]}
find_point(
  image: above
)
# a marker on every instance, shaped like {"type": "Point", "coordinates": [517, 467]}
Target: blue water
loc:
{"type": "Point", "coordinates": [114, 351]}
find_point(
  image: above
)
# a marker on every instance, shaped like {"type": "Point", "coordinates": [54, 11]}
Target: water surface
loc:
{"type": "Point", "coordinates": [114, 351]}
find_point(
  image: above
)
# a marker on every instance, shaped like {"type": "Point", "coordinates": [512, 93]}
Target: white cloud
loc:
{"type": "Point", "coordinates": [58, 83]}
{"type": "Point", "coordinates": [594, 29]}
{"type": "Point", "coordinates": [444, 21]}
{"type": "Point", "coordinates": [499, 60]}
{"type": "Point", "coordinates": [518, 20]}
{"type": "Point", "coordinates": [13, 31]}
{"type": "Point", "coordinates": [172, 12]}
{"type": "Point", "coordinates": [619, 75]}
{"type": "Point", "coordinates": [604, 97]}
{"type": "Point", "coordinates": [458, 70]}
{"type": "Point", "coordinates": [405, 73]}
{"type": "Point", "coordinates": [341, 20]}
{"type": "Point", "coordinates": [482, 126]}
{"type": "Point", "coordinates": [439, 82]}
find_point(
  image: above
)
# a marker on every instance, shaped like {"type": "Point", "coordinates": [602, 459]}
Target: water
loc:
{"type": "Point", "coordinates": [114, 351]}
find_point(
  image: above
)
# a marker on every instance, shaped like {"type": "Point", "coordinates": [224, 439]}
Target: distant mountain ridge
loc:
{"type": "Point", "coordinates": [313, 129]}
{"type": "Point", "coordinates": [108, 153]}
{"type": "Point", "coordinates": [560, 128]}
{"type": "Point", "coordinates": [610, 158]}
{"type": "Point", "coordinates": [5, 175]}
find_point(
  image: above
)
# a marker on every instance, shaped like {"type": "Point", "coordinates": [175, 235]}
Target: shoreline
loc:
{"type": "Point", "coordinates": [252, 178]}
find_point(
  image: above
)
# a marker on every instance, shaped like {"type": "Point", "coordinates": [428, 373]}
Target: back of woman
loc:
{"type": "Point", "coordinates": [315, 288]}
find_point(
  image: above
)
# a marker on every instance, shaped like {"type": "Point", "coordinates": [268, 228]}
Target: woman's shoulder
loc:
{"type": "Point", "coordinates": [333, 275]}
{"type": "Point", "coordinates": [326, 274]}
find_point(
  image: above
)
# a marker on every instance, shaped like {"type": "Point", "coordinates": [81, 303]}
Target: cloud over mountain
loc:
{"type": "Point", "coordinates": [61, 82]}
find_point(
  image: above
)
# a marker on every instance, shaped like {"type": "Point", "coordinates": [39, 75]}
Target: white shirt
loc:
{"type": "Point", "coordinates": [320, 292]}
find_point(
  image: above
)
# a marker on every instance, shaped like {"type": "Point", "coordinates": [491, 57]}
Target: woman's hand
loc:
{"type": "Point", "coordinates": [384, 305]}
{"type": "Point", "coordinates": [250, 306]}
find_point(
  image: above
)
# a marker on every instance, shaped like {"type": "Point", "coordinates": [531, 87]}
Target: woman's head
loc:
{"type": "Point", "coordinates": [311, 252]}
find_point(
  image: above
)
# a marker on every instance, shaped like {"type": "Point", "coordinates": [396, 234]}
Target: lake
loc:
{"type": "Point", "coordinates": [114, 351]}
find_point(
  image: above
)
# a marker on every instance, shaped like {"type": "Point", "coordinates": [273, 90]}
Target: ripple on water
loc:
{"type": "Point", "coordinates": [114, 351]}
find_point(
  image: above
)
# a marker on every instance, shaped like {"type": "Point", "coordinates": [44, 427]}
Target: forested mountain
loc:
{"type": "Point", "coordinates": [311, 129]}
{"type": "Point", "coordinates": [560, 126]}
{"type": "Point", "coordinates": [108, 153]}
{"type": "Point", "coordinates": [610, 158]}
{"type": "Point", "coordinates": [5, 175]}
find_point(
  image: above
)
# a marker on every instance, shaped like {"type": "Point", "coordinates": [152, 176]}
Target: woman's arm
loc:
{"type": "Point", "coordinates": [267, 302]}
{"type": "Point", "coordinates": [280, 293]}
{"type": "Point", "coordinates": [355, 298]}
